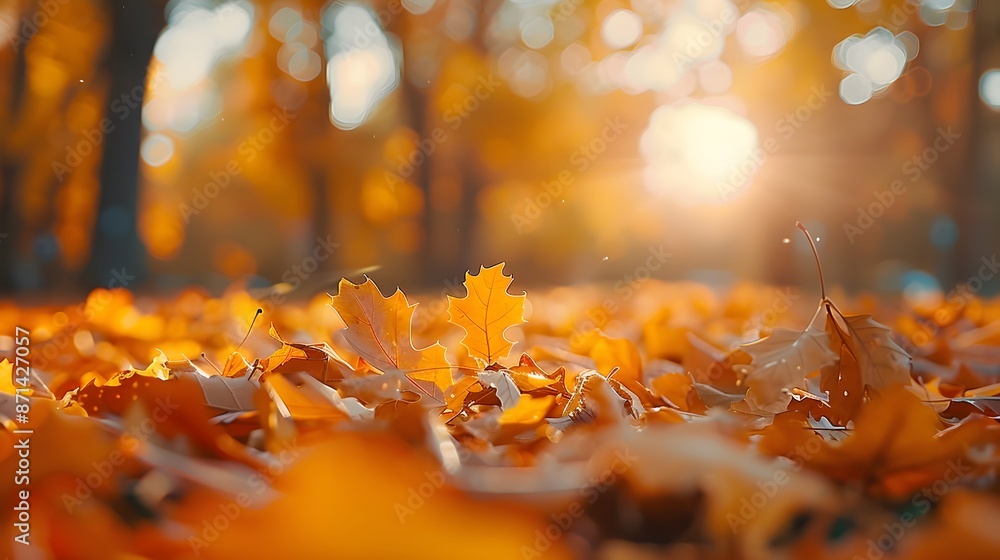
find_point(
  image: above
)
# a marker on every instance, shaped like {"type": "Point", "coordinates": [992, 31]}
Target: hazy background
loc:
{"type": "Point", "coordinates": [161, 145]}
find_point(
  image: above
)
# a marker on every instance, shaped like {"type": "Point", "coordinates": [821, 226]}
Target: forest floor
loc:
{"type": "Point", "coordinates": [650, 420]}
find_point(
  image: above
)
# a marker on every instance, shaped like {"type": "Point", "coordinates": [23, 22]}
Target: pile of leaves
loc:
{"type": "Point", "coordinates": [700, 430]}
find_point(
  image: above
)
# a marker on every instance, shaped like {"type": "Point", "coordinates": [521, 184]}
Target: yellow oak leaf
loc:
{"type": "Point", "coordinates": [486, 312]}
{"type": "Point", "coordinates": [378, 329]}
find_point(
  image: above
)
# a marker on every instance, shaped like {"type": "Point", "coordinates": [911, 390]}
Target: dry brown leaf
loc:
{"type": "Point", "coordinates": [781, 363]}
{"type": "Point", "coordinates": [881, 363]}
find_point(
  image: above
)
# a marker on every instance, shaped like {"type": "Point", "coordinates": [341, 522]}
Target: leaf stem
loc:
{"type": "Point", "coordinates": [249, 330]}
{"type": "Point", "coordinates": [205, 357]}
{"type": "Point", "coordinates": [449, 366]}
{"type": "Point", "coordinates": [819, 267]}
{"type": "Point", "coordinates": [421, 389]}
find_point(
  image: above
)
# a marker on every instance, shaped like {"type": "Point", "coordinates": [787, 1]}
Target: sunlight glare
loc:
{"type": "Point", "coordinates": [698, 153]}
{"type": "Point", "coordinates": [989, 88]}
{"type": "Point", "coordinates": [874, 61]}
{"type": "Point", "coordinates": [197, 38]}
{"type": "Point", "coordinates": [358, 80]}
{"type": "Point", "coordinates": [536, 32]}
{"type": "Point", "coordinates": [855, 89]}
{"type": "Point", "coordinates": [360, 73]}
{"type": "Point", "coordinates": [156, 149]}
{"type": "Point", "coordinates": [763, 31]}
{"type": "Point", "coordinates": [621, 29]}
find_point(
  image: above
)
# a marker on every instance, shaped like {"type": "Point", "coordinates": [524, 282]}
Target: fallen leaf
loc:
{"type": "Point", "coordinates": [881, 363]}
{"type": "Point", "coordinates": [378, 328]}
{"type": "Point", "coordinates": [486, 312]}
{"type": "Point", "coordinates": [781, 363]}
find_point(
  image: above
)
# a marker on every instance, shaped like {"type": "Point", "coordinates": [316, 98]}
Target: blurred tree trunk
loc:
{"type": "Point", "coordinates": [416, 106]}
{"type": "Point", "coordinates": [449, 247]}
{"type": "Point", "coordinates": [116, 251]}
{"type": "Point", "coordinates": [978, 198]}
{"type": "Point", "coordinates": [9, 169]}
{"type": "Point", "coordinates": [317, 133]}
{"type": "Point", "coordinates": [9, 217]}
{"type": "Point", "coordinates": [431, 263]}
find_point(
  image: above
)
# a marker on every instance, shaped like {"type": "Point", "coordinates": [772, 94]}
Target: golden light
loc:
{"type": "Point", "coordinates": [536, 32]}
{"type": "Point", "coordinates": [299, 61]}
{"type": "Point", "coordinates": [524, 71]}
{"type": "Point", "coordinates": [763, 31]}
{"type": "Point", "coordinates": [356, 78]}
{"type": "Point", "coordinates": [156, 150]}
{"type": "Point", "coordinates": [689, 39]}
{"type": "Point", "coordinates": [621, 29]}
{"type": "Point", "coordinates": [282, 22]}
{"type": "Point", "coordinates": [855, 89]}
{"type": "Point", "coordinates": [874, 60]}
{"type": "Point", "coordinates": [362, 68]}
{"type": "Point", "coordinates": [699, 154]}
{"type": "Point", "coordinates": [884, 65]}
{"type": "Point", "coordinates": [575, 58]}
{"type": "Point", "coordinates": [196, 38]}
{"type": "Point", "coordinates": [989, 88]}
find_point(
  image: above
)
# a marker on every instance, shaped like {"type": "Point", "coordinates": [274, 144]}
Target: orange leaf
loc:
{"type": "Point", "coordinates": [881, 362]}
{"type": "Point", "coordinates": [318, 360]}
{"type": "Point", "coordinates": [378, 328]}
{"type": "Point", "coordinates": [610, 353]}
{"type": "Point", "coordinates": [530, 378]}
{"type": "Point", "coordinates": [528, 411]}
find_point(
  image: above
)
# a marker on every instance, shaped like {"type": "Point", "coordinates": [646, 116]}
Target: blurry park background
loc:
{"type": "Point", "coordinates": [164, 144]}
